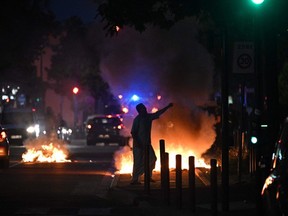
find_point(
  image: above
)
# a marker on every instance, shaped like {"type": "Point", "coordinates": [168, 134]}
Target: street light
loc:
{"type": "Point", "coordinates": [75, 90]}
{"type": "Point", "coordinates": [257, 2]}
{"type": "Point", "coordinates": [254, 140]}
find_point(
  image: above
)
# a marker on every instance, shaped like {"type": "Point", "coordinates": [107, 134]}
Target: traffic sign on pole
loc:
{"type": "Point", "coordinates": [243, 57]}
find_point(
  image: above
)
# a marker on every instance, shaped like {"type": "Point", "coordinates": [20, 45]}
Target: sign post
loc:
{"type": "Point", "coordinates": [243, 58]}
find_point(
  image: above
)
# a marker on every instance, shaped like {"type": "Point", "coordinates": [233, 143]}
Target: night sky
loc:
{"type": "Point", "coordinates": [63, 9]}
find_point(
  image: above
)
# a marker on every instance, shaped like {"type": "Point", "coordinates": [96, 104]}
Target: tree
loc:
{"type": "Point", "coordinates": [25, 26]}
{"type": "Point", "coordinates": [72, 55]}
{"type": "Point", "coordinates": [139, 14]}
{"type": "Point", "coordinates": [100, 90]}
{"type": "Point", "coordinates": [76, 60]}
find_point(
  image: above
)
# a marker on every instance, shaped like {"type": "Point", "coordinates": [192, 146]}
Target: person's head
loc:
{"type": "Point", "coordinates": [141, 109]}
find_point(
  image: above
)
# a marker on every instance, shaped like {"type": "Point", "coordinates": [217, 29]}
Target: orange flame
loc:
{"type": "Point", "coordinates": [183, 136]}
{"type": "Point", "coordinates": [124, 159]}
{"type": "Point", "coordinates": [54, 151]}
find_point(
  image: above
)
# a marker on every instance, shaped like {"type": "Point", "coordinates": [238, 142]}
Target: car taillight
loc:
{"type": "Point", "coordinates": [2, 136]}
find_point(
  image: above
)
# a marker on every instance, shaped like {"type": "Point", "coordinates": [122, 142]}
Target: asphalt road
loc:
{"type": "Point", "coordinates": [58, 188]}
{"type": "Point", "coordinates": [80, 187]}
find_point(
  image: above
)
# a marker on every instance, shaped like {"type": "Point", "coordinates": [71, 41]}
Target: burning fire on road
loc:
{"type": "Point", "coordinates": [124, 159]}
{"type": "Point", "coordinates": [184, 137]}
{"type": "Point", "coordinates": [45, 150]}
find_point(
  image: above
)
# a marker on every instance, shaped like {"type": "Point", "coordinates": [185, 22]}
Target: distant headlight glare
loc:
{"type": "Point", "coordinates": [64, 131]}
{"type": "Point", "coordinates": [30, 129]}
{"type": "Point", "coordinates": [33, 129]}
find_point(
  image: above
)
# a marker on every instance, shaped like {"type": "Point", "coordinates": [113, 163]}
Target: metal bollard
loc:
{"type": "Point", "coordinates": [192, 185]}
{"type": "Point", "coordinates": [214, 195]}
{"type": "Point", "coordinates": [162, 166]}
{"type": "Point", "coordinates": [166, 180]}
{"type": "Point", "coordinates": [178, 181]}
{"type": "Point", "coordinates": [162, 149]}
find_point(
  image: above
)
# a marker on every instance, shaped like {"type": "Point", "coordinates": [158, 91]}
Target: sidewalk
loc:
{"type": "Point", "coordinates": [132, 200]}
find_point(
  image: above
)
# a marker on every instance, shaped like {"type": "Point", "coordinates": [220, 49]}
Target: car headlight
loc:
{"type": "Point", "coordinates": [34, 129]}
{"type": "Point", "coordinates": [64, 131]}
{"type": "Point", "coordinates": [30, 129]}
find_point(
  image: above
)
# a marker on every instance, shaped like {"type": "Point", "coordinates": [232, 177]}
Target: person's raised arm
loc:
{"type": "Point", "coordinates": [161, 111]}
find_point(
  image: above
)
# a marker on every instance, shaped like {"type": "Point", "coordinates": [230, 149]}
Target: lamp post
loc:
{"type": "Point", "coordinates": [225, 110]}
{"type": "Point", "coordinates": [256, 148]}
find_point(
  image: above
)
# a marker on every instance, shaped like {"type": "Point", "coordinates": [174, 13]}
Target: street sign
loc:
{"type": "Point", "coordinates": [243, 57]}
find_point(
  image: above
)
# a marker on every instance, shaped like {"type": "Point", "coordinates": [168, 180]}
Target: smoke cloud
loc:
{"type": "Point", "coordinates": [170, 63]}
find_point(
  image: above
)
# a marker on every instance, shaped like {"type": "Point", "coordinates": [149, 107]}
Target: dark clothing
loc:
{"type": "Point", "coordinates": [141, 134]}
{"type": "Point", "coordinates": [141, 129]}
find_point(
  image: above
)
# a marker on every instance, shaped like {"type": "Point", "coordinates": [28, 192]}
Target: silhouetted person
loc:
{"type": "Point", "coordinates": [141, 134]}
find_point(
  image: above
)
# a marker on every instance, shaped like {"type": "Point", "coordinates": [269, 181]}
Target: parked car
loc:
{"type": "Point", "coordinates": [4, 149]}
{"type": "Point", "coordinates": [20, 124]}
{"type": "Point", "coordinates": [275, 188]}
{"type": "Point", "coordinates": [104, 130]}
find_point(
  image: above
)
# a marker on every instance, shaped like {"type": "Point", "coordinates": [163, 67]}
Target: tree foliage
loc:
{"type": "Point", "coordinates": [76, 60]}
{"type": "Point", "coordinates": [25, 26]}
{"type": "Point", "coordinates": [139, 14]}
{"type": "Point", "coordinates": [72, 56]}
